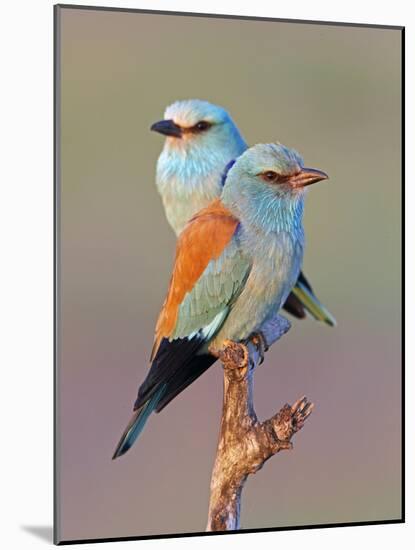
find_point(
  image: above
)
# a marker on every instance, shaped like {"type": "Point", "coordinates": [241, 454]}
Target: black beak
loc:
{"type": "Point", "coordinates": [307, 176]}
{"type": "Point", "coordinates": [167, 128]}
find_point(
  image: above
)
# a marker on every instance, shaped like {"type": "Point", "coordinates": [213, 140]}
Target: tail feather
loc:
{"type": "Point", "coordinates": [137, 422]}
{"type": "Point", "coordinates": [304, 293]}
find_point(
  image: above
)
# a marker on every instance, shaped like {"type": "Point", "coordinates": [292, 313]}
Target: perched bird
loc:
{"type": "Point", "coordinates": [236, 262]}
{"type": "Point", "coordinates": [202, 142]}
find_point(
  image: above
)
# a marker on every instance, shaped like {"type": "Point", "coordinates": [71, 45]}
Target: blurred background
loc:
{"type": "Point", "coordinates": [334, 94]}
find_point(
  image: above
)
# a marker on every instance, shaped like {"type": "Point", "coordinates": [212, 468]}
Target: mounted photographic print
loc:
{"type": "Point", "coordinates": [228, 223]}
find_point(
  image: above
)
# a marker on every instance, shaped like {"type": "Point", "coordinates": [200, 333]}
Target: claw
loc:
{"type": "Point", "coordinates": [260, 343]}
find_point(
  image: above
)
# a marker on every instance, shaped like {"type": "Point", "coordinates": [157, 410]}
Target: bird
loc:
{"type": "Point", "coordinates": [202, 143]}
{"type": "Point", "coordinates": [235, 264]}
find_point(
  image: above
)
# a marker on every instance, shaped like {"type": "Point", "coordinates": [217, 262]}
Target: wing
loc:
{"type": "Point", "coordinates": [294, 306]}
{"type": "Point", "coordinates": [209, 272]}
{"type": "Point", "coordinates": [207, 267]}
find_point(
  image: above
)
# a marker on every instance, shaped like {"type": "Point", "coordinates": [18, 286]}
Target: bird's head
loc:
{"type": "Point", "coordinates": [266, 185]}
{"type": "Point", "coordinates": [274, 168]}
{"type": "Point", "coordinates": [196, 124]}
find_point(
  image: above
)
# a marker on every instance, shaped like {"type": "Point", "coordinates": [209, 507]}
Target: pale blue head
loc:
{"type": "Point", "coordinates": [195, 125]}
{"type": "Point", "coordinates": [267, 184]}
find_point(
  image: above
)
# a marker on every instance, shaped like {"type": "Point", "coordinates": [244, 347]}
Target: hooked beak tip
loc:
{"type": "Point", "coordinates": [308, 176]}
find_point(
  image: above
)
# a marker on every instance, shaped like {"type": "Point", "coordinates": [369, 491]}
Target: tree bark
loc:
{"type": "Point", "coordinates": [245, 444]}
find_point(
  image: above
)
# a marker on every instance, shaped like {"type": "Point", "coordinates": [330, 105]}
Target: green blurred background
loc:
{"type": "Point", "coordinates": [334, 94]}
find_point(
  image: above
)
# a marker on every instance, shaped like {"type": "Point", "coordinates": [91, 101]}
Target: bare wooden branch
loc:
{"type": "Point", "coordinates": [245, 444]}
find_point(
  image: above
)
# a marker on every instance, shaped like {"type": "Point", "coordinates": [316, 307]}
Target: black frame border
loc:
{"type": "Point", "coordinates": [56, 268]}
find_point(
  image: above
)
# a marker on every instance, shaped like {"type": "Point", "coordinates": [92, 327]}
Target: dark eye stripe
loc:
{"type": "Point", "coordinates": [273, 177]}
{"type": "Point", "coordinates": [201, 126]}
{"type": "Point", "coordinates": [198, 128]}
{"type": "Point", "coordinates": [270, 176]}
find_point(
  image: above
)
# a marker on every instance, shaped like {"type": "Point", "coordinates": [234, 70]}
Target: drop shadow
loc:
{"type": "Point", "coordinates": [44, 532]}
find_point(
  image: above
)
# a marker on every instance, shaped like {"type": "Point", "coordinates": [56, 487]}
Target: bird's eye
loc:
{"type": "Point", "coordinates": [202, 125]}
{"type": "Point", "coordinates": [270, 176]}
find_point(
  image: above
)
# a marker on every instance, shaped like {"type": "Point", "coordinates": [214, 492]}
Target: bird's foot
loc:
{"type": "Point", "coordinates": [259, 341]}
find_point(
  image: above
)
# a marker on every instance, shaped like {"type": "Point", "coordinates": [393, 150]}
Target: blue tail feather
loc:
{"type": "Point", "coordinates": [137, 422]}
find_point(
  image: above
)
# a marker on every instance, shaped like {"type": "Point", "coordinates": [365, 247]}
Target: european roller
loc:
{"type": "Point", "coordinates": [235, 265]}
{"type": "Point", "coordinates": [202, 142]}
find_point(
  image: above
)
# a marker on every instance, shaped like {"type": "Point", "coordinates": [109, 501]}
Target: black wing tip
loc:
{"type": "Point", "coordinates": [170, 358]}
{"type": "Point", "coordinates": [294, 307]}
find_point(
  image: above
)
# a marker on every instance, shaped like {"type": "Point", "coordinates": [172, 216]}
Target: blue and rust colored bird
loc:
{"type": "Point", "coordinates": [236, 262]}
{"type": "Point", "coordinates": [202, 142]}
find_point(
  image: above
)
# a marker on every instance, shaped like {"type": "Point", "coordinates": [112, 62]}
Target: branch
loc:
{"type": "Point", "coordinates": [245, 444]}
